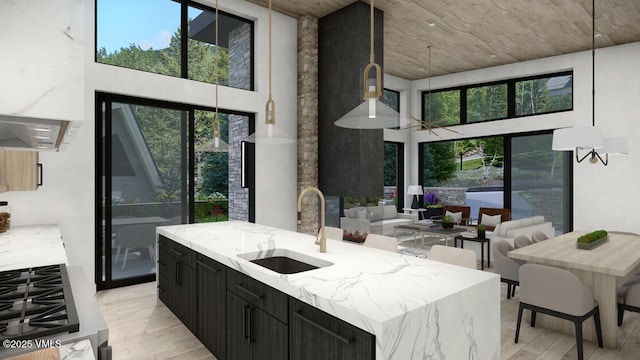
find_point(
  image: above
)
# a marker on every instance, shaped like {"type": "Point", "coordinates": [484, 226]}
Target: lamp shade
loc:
{"type": "Point", "coordinates": [414, 190]}
{"type": "Point", "coordinates": [586, 137]}
{"type": "Point", "coordinates": [358, 118]}
{"type": "Point", "coordinates": [615, 146]}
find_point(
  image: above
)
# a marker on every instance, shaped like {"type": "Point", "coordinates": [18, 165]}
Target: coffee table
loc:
{"type": "Point", "coordinates": [433, 229]}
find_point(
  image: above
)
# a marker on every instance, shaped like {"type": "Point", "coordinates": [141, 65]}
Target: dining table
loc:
{"type": "Point", "coordinates": [604, 268]}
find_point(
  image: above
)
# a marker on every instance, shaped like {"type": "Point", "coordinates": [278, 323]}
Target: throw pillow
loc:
{"type": "Point", "coordinates": [374, 213]}
{"type": "Point", "coordinates": [491, 220]}
{"type": "Point", "coordinates": [350, 213]}
{"type": "Point", "coordinates": [457, 216]}
{"type": "Point", "coordinates": [361, 214]}
{"type": "Point", "coordinates": [389, 212]}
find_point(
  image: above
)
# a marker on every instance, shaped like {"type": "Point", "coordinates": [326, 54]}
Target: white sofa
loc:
{"type": "Point", "coordinates": [508, 230]}
{"type": "Point", "coordinates": [375, 219]}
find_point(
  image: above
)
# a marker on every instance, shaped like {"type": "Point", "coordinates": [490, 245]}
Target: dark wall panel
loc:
{"type": "Point", "coordinates": [350, 161]}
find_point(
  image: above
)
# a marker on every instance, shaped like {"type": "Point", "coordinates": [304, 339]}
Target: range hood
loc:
{"type": "Point", "coordinates": [26, 133]}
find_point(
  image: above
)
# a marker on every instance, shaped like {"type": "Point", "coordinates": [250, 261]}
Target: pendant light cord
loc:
{"type": "Point", "coordinates": [372, 17]}
{"type": "Point", "coordinates": [593, 64]}
{"type": "Point", "coordinates": [269, 49]}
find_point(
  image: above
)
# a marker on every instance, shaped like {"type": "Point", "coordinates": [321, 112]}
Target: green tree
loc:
{"type": "Point", "coordinates": [439, 163]}
{"type": "Point", "coordinates": [390, 164]}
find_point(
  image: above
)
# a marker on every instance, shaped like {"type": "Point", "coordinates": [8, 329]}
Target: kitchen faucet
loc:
{"type": "Point", "coordinates": [320, 238]}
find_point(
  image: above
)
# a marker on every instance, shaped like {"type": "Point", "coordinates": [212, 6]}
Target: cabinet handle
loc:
{"type": "Point", "coordinates": [322, 328]}
{"type": "Point", "coordinates": [245, 328]}
{"type": "Point", "coordinates": [201, 263]}
{"type": "Point", "coordinates": [179, 274]}
{"type": "Point", "coordinates": [39, 167]}
{"type": "Point", "coordinates": [249, 292]}
{"type": "Point", "coordinates": [177, 252]}
{"type": "Point", "coordinates": [251, 311]}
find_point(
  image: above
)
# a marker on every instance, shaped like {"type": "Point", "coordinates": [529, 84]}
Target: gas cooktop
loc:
{"type": "Point", "coordinates": [36, 302]}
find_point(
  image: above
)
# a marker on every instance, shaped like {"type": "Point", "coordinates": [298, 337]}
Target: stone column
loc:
{"type": "Point", "coordinates": [308, 119]}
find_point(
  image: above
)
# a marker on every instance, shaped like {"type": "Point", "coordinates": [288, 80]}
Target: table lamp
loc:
{"type": "Point", "coordinates": [414, 190]}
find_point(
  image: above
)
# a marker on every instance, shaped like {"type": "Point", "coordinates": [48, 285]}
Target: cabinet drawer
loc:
{"type": "Point", "coordinates": [163, 243]}
{"type": "Point", "coordinates": [209, 264]}
{"type": "Point", "coordinates": [272, 301]}
{"type": "Point", "coordinates": [182, 254]}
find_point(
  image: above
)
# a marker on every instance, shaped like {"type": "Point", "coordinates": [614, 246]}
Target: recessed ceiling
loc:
{"type": "Point", "coordinates": [475, 34]}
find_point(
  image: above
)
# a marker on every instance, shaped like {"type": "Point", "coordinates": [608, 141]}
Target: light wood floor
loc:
{"type": "Point", "coordinates": [140, 327]}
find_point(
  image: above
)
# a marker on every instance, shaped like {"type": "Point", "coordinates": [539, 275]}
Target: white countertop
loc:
{"type": "Point", "coordinates": [30, 246]}
{"type": "Point", "coordinates": [410, 304]}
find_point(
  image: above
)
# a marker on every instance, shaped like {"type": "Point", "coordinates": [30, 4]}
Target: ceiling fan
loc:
{"type": "Point", "coordinates": [429, 125]}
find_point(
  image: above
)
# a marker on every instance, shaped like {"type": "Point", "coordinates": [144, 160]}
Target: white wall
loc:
{"type": "Point", "coordinates": [68, 194]}
{"type": "Point", "coordinates": [604, 197]}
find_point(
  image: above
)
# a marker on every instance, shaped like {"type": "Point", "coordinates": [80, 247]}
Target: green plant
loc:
{"type": "Point", "coordinates": [592, 236]}
{"type": "Point", "coordinates": [447, 219]}
{"type": "Point", "coordinates": [481, 227]}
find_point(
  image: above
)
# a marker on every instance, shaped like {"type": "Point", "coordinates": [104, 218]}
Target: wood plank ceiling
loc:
{"type": "Point", "coordinates": [473, 34]}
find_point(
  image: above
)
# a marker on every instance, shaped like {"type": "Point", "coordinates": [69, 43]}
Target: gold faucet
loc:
{"type": "Point", "coordinates": [320, 238]}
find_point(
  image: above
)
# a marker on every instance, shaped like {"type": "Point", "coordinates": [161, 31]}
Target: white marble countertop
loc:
{"type": "Point", "coordinates": [416, 307]}
{"type": "Point", "coordinates": [30, 246]}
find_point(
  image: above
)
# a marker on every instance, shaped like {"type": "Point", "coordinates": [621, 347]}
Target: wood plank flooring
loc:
{"type": "Point", "coordinates": [141, 327]}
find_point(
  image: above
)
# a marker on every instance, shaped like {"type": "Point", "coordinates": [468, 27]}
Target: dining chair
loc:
{"type": "Point", "coordinates": [538, 236]}
{"type": "Point", "coordinates": [559, 293]}
{"type": "Point", "coordinates": [381, 242]}
{"type": "Point", "coordinates": [135, 237]}
{"type": "Point", "coordinates": [521, 241]}
{"type": "Point", "coordinates": [333, 233]}
{"type": "Point", "coordinates": [454, 256]}
{"type": "Point", "coordinates": [507, 268]}
{"type": "Point", "coordinates": [629, 297]}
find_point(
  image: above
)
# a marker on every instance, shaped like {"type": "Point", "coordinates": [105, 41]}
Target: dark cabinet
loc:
{"type": "Point", "coordinates": [316, 335]}
{"type": "Point", "coordinates": [256, 320]}
{"type": "Point", "coordinates": [212, 305]}
{"type": "Point", "coordinates": [177, 280]}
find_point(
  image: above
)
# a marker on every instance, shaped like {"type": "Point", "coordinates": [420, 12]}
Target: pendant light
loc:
{"type": "Point", "coordinates": [270, 106]}
{"type": "Point", "coordinates": [585, 137]}
{"type": "Point", "coordinates": [217, 145]}
{"type": "Point", "coordinates": [372, 113]}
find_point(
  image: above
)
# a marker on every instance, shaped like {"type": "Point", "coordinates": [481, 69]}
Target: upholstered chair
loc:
{"type": "Point", "coordinates": [381, 242]}
{"type": "Point", "coordinates": [460, 213]}
{"type": "Point", "coordinates": [333, 233]}
{"type": "Point", "coordinates": [557, 292]}
{"type": "Point", "coordinates": [538, 236]}
{"type": "Point", "coordinates": [136, 237]}
{"type": "Point", "coordinates": [521, 241]}
{"type": "Point", "coordinates": [629, 297]}
{"type": "Point", "coordinates": [455, 256]}
{"type": "Point", "coordinates": [490, 213]}
{"type": "Point", "coordinates": [505, 266]}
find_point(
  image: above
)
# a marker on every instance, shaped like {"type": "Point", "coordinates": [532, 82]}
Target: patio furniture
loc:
{"type": "Point", "coordinates": [135, 237]}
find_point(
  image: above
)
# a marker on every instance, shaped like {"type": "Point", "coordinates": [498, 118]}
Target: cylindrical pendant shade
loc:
{"type": "Point", "coordinates": [585, 137]}
{"type": "Point", "coordinates": [358, 118]}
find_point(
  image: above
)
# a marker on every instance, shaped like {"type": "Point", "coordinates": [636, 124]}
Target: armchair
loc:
{"type": "Point", "coordinates": [463, 211]}
{"type": "Point", "coordinates": [489, 213]}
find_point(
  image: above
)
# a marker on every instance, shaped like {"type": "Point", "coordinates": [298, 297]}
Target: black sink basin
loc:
{"type": "Point", "coordinates": [285, 261]}
{"type": "Point", "coordinates": [284, 265]}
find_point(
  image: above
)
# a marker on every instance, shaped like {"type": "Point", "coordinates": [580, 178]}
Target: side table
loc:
{"type": "Point", "coordinates": [482, 242]}
{"type": "Point", "coordinates": [420, 212]}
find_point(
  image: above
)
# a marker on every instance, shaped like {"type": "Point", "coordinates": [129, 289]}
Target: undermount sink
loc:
{"type": "Point", "coordinates": [285, 261]}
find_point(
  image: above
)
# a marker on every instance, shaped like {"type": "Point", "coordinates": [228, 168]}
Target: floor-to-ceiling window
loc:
{"type": "Point", "coordinates": [159, 165]}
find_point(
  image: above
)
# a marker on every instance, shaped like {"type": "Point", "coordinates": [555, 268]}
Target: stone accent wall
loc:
{"type": "Point", "coordinates": [240, 77]}
{"type": "Point", "coordinates": [449, 195]}
{"type": "Point", "coordinates": [308, 119]}
{"type": "Point", "coordinates": [240, 57]}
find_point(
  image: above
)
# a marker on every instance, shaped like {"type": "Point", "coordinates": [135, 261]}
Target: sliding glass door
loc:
{"type": "Point", "coordinates": [159, 165]}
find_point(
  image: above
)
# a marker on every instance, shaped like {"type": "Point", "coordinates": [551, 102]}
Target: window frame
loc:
{"type": "Point", "coordinates": [511, 97]}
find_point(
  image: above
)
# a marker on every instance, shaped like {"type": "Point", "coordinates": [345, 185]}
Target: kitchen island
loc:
{"type": "Point", "coordinates": [415, 308]}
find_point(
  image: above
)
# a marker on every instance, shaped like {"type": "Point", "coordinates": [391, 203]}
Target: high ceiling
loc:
{"type": "Point", "coordinates": [474, 34]}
